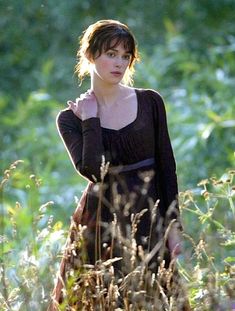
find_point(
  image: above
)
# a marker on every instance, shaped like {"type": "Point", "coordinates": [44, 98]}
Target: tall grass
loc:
{"type": "Point", "coordinates": [32, 246]}
{"type": "Point", "coordinates": [30, 242]}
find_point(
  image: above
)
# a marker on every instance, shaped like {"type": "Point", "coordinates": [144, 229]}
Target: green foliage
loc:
{"type": "Point", "coordinates": [211, 214]}
{"type": "Point", "coordinates": [41, 37]}
{"type": "Point", "coordinates": [33, 136]}
{"type": "Point", "coordinates": [187, 50]}
{"type": "Point", "coordinates": [189, 60]}
{"type": "Point", "coordinates": [201, 106]}
{"type": "Point", "coordinates": [31, 244]}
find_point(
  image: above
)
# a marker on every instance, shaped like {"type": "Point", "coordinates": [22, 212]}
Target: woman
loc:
{"type": "Point", "coordinates": [123, 130]}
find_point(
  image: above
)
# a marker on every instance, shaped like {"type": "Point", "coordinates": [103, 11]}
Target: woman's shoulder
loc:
{"type": "Point", "coordinates": [148, 92]}
{"type": "Point", "coordinates": [64, 114]}
{"type": "Point", "coordinates": [151, 96]}
{"type": "Point", "coordinates": [143, 91]}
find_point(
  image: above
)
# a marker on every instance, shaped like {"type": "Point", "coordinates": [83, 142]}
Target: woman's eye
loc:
{"type": "Point", "coordinates": [111, 54]}
{"type": "Point", "coordinates": [127, 57]}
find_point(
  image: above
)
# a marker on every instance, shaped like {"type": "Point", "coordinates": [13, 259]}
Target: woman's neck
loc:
{"type": "Point", "coordinates": [106, 94]}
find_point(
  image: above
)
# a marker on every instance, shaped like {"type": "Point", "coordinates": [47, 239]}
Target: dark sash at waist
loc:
{"type": "Point", "coordinates": [130, 167]}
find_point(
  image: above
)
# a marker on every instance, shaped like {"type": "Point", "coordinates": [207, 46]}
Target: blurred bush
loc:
{"type": "Point", "coordinates": [32, 242]}
{"type": "Point", "coordinates": [187, 51]}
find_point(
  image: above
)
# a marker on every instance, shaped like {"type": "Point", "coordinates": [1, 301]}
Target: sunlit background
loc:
{"type": "Point", "coordinates": [187, 54]}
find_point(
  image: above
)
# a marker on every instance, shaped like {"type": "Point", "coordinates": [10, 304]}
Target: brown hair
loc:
{"type": "Point", "coordinates": [101, 36]}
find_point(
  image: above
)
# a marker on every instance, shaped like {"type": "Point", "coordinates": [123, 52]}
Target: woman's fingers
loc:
{"type": "Point", "coordinates": [74, 107]}
{"type": "Point", "coordinates": [175, 242]}
{"type": "Point", "coordinates": [177, 250]}
{"type": "Point", "coordinates": [71, 104]}
{"type": "Point", "coordinates": [85, 106]}
{"type": "Point", "coordinates": [87, 95]}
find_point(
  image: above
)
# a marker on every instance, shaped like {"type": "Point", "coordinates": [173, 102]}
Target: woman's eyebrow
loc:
{"type": "Point", "coordinates": [112, 49]}
{"type": "Point", "coordinates": [115, 50]}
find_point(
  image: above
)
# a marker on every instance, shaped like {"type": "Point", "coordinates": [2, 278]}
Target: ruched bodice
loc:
{"type": "Point", "coordinates": [132, 143]}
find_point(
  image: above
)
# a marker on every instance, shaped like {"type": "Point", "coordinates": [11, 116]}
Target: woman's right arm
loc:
{"type": "Point", "coordinates": [83, 141]}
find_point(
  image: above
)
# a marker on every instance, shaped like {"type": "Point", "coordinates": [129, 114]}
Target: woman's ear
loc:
{"type": "Point", "coordinates": [89, 57]}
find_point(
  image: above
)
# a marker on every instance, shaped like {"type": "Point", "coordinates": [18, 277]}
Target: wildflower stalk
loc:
{"type": "Point", "coordinates": [153, 218]}
{"type": "Point", "coordinates": [4, 283]}
{"type": "Point", "coordinates": [231, 205]}
{"type": "Point", "coordinates": [4, 181]}
{"type": "Point", "coordinates": [103, 172]}
{"type": "Point", "coordinates": [98, 228]}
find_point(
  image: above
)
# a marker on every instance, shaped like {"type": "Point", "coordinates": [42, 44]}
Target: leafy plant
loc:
{"type": "Point", "coordinates": [211, 251]}
{"type": "Point", "coordinates": [31, 248]}
{"type": "Point", "coordinates": [30, 242]}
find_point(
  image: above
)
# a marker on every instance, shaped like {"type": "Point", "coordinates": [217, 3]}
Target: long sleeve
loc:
{"type": "Point", "coordinates": [166, 166]}
{"type": "Point", "coordinates": [83, 141]}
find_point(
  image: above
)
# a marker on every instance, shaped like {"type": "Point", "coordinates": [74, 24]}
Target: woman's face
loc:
{"type": "Point", "coordinates": [111, 65]}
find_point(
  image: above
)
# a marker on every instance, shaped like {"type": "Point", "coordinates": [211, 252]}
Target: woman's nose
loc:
{"type": "Point", "coordinates": [118, 62]}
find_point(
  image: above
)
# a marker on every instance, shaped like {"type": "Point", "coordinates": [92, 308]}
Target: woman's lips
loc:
{"type": "Point", "coordinates": [116, 73]}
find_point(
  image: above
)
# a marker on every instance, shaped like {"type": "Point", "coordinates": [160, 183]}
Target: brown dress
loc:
{"type": "Point", "coordinates": [141, 171]}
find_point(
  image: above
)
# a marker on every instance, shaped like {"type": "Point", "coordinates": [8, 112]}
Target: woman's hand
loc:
{"type": "Point", "coordinates": [85, 106]}
{"type": "Point", "coordinates": [175, 240]}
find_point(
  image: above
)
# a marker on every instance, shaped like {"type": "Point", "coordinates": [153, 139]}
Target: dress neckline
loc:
{"type": "Point", "coordinates": [128, 126]}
